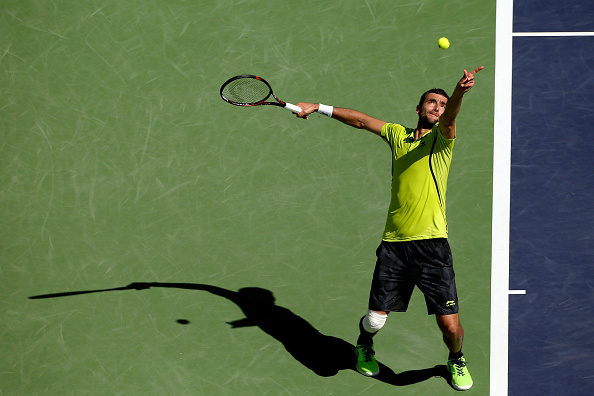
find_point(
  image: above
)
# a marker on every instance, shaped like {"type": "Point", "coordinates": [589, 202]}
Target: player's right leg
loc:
{"type": "Point", "coordinates": [369, 325]}
{"type": "Point", "coordinates": [390, 291]}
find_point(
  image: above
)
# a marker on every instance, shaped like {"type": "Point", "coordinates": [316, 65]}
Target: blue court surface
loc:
{"type": "Point", "coordinates": [552, 216]}
{"type": "Point", "coordinates": [551, 227]}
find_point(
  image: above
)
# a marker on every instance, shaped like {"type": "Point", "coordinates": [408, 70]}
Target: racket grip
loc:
{"type": "Point", "coordinates": [293, 108]}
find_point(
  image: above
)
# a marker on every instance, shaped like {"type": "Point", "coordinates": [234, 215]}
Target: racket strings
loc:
{"type": "Point", "coordinates": [246, 90]}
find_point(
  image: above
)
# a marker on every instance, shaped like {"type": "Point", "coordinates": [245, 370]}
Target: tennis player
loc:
{"type": "Point", "coordinates": [414, 250]}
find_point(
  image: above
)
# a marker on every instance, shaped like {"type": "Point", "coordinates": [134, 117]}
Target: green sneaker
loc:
{"type": "Point", "coordinates": [366, 363]}
{"type": "Point", "coordinates": [461, 379]}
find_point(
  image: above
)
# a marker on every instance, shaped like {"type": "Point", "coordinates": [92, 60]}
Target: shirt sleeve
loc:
{"type": "Point", "coordinates": [389, 132]}
{"type": "Point", "coordinates": [442, 142]}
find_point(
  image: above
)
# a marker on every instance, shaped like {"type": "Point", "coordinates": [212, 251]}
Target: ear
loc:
{"type": "Point", "coordinates": [418, 109]}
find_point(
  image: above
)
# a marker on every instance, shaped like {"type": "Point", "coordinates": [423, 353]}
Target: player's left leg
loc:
{"type": "Point", "coordinates": [453, 332]}
{"type": "Point", "coordinates": [437, 281]}
{"type": "Point", "coordinates": [453, 336]}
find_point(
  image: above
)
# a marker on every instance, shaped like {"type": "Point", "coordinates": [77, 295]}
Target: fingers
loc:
{"type": "Point", "coordinates": [467, 80]}
{"type": "Point", "coordinates": [467, 76]}
{"type": "Point", "coordinates": [470, 75]}
{"type": "Point", "coordinates": [307, 109]}
{"type": "Point", "coordinates": [478, 69]}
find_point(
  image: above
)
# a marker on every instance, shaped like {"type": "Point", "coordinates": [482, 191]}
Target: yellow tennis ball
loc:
{"type": "Point", "coordinates": [443, 43]}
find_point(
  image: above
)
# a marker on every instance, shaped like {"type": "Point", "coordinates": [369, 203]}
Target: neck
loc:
{"type": "Point", "coordinates": [422, 130]}
{"type": "Point", "coordinates": [424, 125]}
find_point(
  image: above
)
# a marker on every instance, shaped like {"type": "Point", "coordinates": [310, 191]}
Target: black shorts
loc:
{"type": "Point", "coordinates": [401, 266]}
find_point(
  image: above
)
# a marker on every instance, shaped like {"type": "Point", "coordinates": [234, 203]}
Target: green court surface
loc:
{"type": "Point", "coordinates": [121, 165]}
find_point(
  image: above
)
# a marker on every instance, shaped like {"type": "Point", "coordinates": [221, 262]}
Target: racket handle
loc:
{"type": "Point", "coordinates": [293, 108]}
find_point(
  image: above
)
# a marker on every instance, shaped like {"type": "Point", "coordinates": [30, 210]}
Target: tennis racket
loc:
{"type": "Point", "coordinates": [250, 90]}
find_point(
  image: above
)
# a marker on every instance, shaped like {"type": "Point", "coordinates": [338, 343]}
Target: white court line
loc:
{"type": "Point", "coordinates": [552, 34]}
{"type": "Point", "coordinates": [501, 192]}
{"type": "Point", "coordinates": [501, 199]}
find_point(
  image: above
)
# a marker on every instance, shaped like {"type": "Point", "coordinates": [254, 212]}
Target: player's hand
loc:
{"type": "Point", "coordinates": [467, 80]}
{"type": "Point", "coordinates": [307, 109]}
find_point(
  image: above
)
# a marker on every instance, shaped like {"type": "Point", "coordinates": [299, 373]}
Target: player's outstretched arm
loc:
{"type": "Point", "coordinates": [350, 117]}
{"type": "Point", "coordinates": [447, 121]}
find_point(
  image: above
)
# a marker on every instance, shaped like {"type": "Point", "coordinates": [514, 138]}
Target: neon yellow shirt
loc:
{"type": "Point", "coordinates": [419, 182]}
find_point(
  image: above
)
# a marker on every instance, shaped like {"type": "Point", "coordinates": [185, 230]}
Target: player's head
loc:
{"type": "Point", "coordinates": [431, 106]}
{"type": "Point", "coordinates": [438, 91]}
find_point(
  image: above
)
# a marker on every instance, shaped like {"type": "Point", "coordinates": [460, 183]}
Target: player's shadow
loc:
{"type": "Point", "coordinates": [324, 355]}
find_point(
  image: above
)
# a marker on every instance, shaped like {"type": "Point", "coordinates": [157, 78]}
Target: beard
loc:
{"type": "Point", "coordinates": [425, 122]}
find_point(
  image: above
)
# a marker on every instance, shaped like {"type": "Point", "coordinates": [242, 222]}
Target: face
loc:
{"type": "Point", "coordinates": [431, 109]}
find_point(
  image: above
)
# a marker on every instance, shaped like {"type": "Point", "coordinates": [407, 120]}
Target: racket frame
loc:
{"type": "Point", "coordinates": [279, 103]}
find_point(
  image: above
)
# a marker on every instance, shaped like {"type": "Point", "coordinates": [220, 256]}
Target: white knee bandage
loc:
{"type": "Point", "coordinates": [374, 321]}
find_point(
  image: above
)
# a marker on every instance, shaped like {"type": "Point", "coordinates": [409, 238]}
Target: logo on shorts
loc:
{"type": "Point", "coordinates": [450, 303]}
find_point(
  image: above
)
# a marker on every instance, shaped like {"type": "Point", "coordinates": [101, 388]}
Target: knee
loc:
{"type": "Point", "coordinates": [373, 321]}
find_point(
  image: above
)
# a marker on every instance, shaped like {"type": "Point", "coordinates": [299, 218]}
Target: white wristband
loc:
{"type": "Point", "coordinates": [326, 110]}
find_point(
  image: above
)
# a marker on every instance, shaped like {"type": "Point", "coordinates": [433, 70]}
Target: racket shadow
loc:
{"type": "Point", "coordinates": [411, 377]}
{"type": "Point", "coordinates": [323, 354]}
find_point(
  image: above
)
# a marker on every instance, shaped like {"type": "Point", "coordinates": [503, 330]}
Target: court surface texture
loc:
{"type": "Point", "coordinates": [158, 241]}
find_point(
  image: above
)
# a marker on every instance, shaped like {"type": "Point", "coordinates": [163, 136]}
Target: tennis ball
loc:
{"type": "Point", "coordinates": [443, 43]}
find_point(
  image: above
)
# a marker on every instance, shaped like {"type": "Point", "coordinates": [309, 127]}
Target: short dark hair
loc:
{"type": "Point", "coordinates": [438, 91]}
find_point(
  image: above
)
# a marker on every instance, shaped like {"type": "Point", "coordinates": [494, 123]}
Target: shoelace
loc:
{"type": "Point", "coordinates": [368, 353]}
{"type": "Point", "coordinates": [459, 366]}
